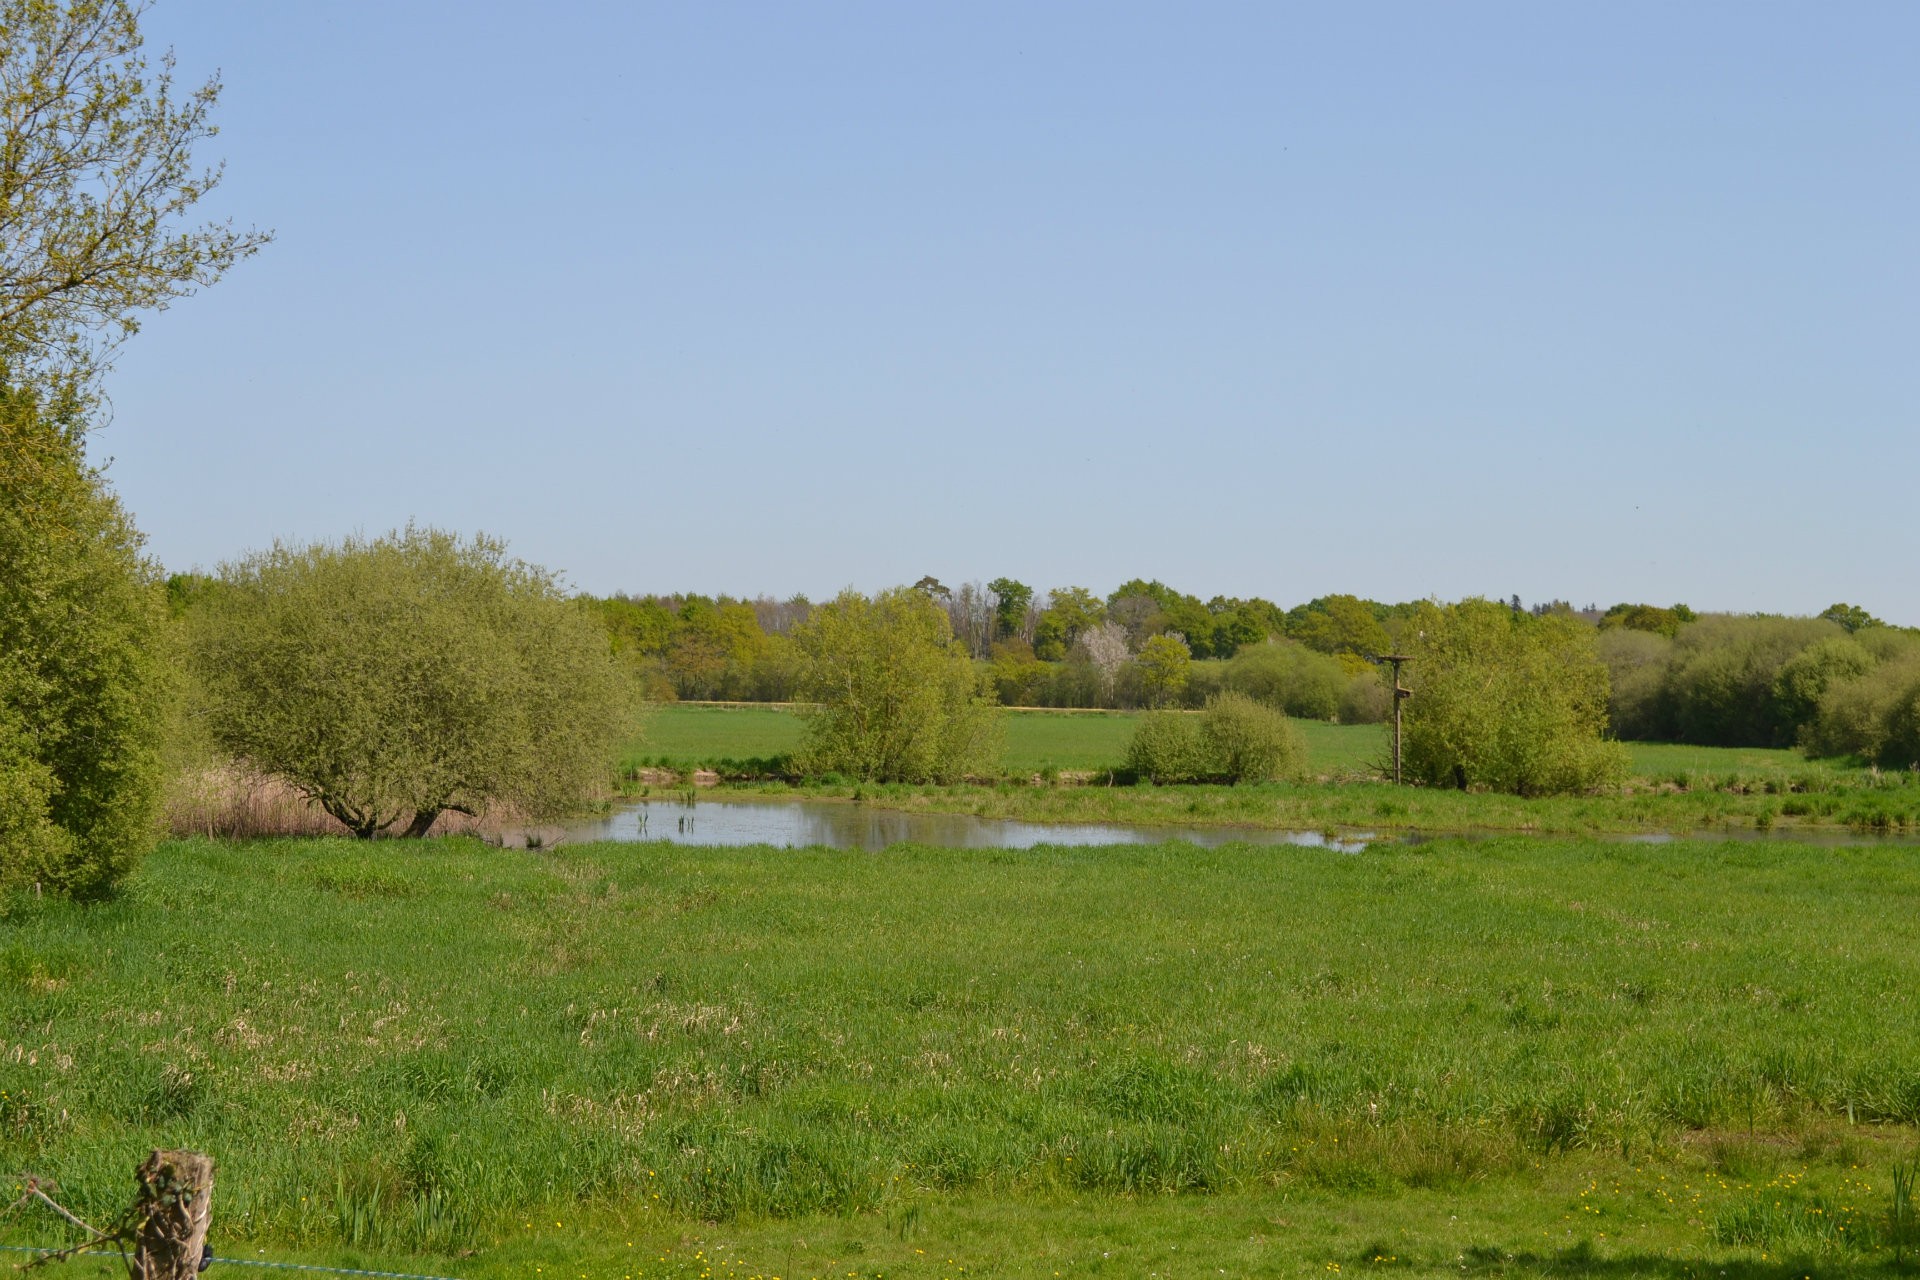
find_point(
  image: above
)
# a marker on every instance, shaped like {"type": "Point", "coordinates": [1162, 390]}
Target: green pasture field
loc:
{"type": "Point", "coordinates": [1504, 1057]}
{"type": "Point", "coordinates": [685, 736]}
{"type": "Point", "coordinates": [1682, 761]}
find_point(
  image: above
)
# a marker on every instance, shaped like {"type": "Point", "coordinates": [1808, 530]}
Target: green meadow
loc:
{"type": "Point", "coordinates": [1513, 1056]}
{"type": "Point", "coordinates": [702, 736]}
{"type": "Point", "coordinates": [1674, 788]}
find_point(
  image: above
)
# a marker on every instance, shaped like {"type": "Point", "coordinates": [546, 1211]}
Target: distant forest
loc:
{"type": "Point", "coordinates": [1836, 684]}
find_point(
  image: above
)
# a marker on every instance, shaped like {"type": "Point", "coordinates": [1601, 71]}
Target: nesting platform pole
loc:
{"type": "Point", "coordinates": [1400, 695]}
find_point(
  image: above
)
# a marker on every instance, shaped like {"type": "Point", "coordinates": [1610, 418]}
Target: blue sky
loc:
{"type": "Point", "coordinates": [1605, 302]}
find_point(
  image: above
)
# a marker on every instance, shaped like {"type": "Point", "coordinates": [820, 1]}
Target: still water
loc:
{"type": "Point", "coordinates": [799, 823]}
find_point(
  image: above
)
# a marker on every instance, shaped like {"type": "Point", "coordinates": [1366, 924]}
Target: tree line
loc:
{"type": "Point", "coordinates": [1141, 645]}
{"type": "Point", "coordinates": [1839, 684]}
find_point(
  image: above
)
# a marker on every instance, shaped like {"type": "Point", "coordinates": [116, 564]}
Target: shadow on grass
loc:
{"type": "Point", "coordinates": [1582, 1259]}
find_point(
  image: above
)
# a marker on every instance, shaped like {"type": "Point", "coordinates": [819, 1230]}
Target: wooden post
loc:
{"type": "Point", "coordinates": [1400, 695]}
{"type": "Point", "coordinates": [173, 1209]}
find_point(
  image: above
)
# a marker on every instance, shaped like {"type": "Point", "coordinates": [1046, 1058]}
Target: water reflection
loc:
{"type": "Point", "coordinates": [798, 823]}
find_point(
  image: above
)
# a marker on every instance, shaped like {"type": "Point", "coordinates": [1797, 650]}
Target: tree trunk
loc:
{"type": "Point", "coordinates": [361, 823]}
{"type": "Point", "coordinates": [174, 1206]}
{"type": "Point", "coordinates": [423, 820]}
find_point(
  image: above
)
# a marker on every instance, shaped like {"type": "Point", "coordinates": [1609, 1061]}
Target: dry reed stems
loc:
{"type": "Point", "coordinates": [237, 803]}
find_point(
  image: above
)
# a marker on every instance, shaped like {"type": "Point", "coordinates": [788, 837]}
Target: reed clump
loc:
{"type": "Point", "coordinates": [232, 802]}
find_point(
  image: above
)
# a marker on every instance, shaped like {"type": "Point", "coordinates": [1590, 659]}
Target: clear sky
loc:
{"type": "Point", "coordinates": [1603, 302]}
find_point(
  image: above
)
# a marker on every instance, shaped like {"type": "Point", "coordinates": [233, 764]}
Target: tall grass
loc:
{"type": "Point", "coordinates": [407, 1047]}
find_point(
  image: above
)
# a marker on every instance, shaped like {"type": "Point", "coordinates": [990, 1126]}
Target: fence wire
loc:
{"type": "Point", "coordinates": [221, 1260]}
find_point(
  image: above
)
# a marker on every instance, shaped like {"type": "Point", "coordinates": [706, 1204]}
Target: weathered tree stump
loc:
{"type": "Point", "coordinates": [172, 1212]}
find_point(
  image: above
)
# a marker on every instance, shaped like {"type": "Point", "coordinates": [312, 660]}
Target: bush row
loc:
{"type": "Point", "coordinates": [1775, 682]}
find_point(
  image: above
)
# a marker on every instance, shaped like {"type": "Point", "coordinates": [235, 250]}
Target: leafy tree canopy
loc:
{"type": "Point", "coordinates": [897, 700]}
{"type": "Point", "coordinates": [1508, 701]}
{"type": "Point", "coordinates": [1646, 617]}
{"type": "Point", "coordinates": [97, 175]}
{"type": "Point", "coordinates": [1165, 663]}
{"type": "Point", "coordinates": [1339, 624]}
{"type": "Point", "coordinates": [1850, 616]}
{"type": "Point", "coordinates": [394, 678]}
{"type": "Point", "coordinates": [83, 678]}
{"type": "Point", "coordinates": [1010, 601]}
{"type": "Point", "coordinates": [1069, 611]}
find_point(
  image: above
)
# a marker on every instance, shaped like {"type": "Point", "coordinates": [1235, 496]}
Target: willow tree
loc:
{"type": "Point", "coordinates": [397, 678]}
{"type": "Point", "coordinates": [1508, 701]}
{"type": "Point", "coordinates": [896, 697]}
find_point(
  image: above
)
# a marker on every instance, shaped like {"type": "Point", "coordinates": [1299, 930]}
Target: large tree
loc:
{"type": "Point", "coordinates": [393, 679]}
{"type": "Point", "coordinates": [1010, 601]}
{"type": "Point", "coordinates": [897, 699]}
{"type": "Point", "coordinates": [1069, 612]}
{"type": "Point", "coordinates": [1165, 663]}
{"type": "Point", "coordinates": [97, 173]}
{"type": "Point", "coordinates": [1338, 624]}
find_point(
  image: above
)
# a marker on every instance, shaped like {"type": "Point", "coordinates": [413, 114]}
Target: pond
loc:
{"type": "Point", "coordinates": [800, 823]}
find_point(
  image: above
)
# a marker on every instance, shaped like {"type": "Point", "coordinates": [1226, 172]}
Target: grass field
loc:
{"type": "Point", "coordinates": [1505, 1057]}
{"type": "Point", "coordinates": [682, 736]}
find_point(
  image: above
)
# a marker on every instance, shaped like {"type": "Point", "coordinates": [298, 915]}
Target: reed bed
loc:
{"type": "Point", "coordinates": [234, 803]}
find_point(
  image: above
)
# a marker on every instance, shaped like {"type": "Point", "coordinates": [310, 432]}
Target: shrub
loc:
{"type": "Point", "coordinates": [1018, 677]}
{"type": "Point", "coordinates": [1637, 664]}
{"type": "Point", "coordinates": [1248, 741]}
{"type": "Point", "coordinates": [1506, 700]}
{"type": "Point", "coordinates": [83, 677]}
{"type": "Point", "coordinates": [1205, 678]}
{"type": "Point", "coordinates": [1875, 716]}
{"type": "Point", "coordinates": [1721, 683]}
{"type": "Point", "coordinates": [1167, 747]}
{"type": "Point", "coordinates": [1290, 676]}
{"type": "Point", "coordinates": [1367, 699]}
{"type": "Point", "coordinates": [1805, 678]}
{"type": "Point", "coordinates": [1235, 739]}
{"type": "Point", "coordinates": [1075, 683]}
